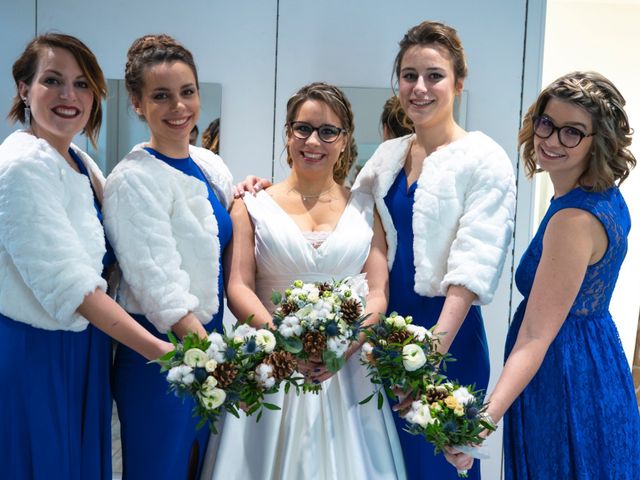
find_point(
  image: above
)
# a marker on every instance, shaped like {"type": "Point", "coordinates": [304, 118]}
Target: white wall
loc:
{"type": "Point", "coordinates": [349, 43]}
{"type": "Point", "coordinates": [603, 35]}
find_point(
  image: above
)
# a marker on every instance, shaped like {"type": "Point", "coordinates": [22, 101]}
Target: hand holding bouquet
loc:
{"type": "Point", "coordinates": [448, 415]}
{"type": "Point", "coordinates": [226, 372]}
{"type": "Point", "coordinates": [319, 321]}
{"type": "Point", "coordinates": [400, 356]}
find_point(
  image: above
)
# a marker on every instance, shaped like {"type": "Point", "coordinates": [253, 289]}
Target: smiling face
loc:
{"type": "Point", "coordinates": [312, 155]}
{"type": "Point", "coordinates": [59, 98]}
{"type": "Point", "coordinates": [427, 85]}
{"type": "Point", "coordinates": [170, 104]}
{"type": "Point", "coordinates": [561, 162]}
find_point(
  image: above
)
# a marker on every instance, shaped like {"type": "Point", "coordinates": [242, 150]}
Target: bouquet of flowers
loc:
{"type": "Point", "coordinates": [400, 356]}
{"type": "Point", "coordinates": [448, 414]}
{"type": "Point", "coordinates": [320, 320]}
{"type": "Point", "coordinates": [228, 371]}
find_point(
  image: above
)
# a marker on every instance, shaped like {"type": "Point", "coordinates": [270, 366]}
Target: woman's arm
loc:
{"type": "Point", "coordinates": [240, 270]}
{"type": "Point", "coordinates": [573, 240]}
{"type": "Point", "coordinates": [377, 274]}
{"type": "Point", "coordinates": [456, 306]}
{"type": "Point", "coordinates": [103, 312]}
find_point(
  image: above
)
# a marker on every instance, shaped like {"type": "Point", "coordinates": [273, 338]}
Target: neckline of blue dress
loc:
{"type": "Point", "coordinates": [165, 158]}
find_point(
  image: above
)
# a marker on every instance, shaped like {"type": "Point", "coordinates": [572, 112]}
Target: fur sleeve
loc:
{"type": "Point", "coordinates": [136, 217]}
{"type": "Point", "coordinates": [485, 229]}
{"type": "Point", "coordinates": [42, 242]}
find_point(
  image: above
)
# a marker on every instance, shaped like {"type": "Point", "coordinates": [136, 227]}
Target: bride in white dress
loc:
{"type": "Point", "coordinates": [309, 227]}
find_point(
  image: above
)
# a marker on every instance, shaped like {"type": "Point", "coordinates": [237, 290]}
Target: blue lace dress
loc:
{"type": "Point", "coordinates": [578, 418]}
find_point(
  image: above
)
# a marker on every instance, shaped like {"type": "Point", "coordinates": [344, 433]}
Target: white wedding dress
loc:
{"type": "Point", "coordinates": [314, 437]}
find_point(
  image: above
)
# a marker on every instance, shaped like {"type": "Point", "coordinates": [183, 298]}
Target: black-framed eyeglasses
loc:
{"type": "Point", "coordinates": [568, 136]}
{"type": "Point", "coordinates": [326, 132]}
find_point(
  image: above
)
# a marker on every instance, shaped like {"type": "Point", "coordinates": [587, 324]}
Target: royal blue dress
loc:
{"type": "Point", "coordinates": [469, 347]}
{"type": "Point", "coordinates": [56, 406]}
{"type": "Point", "coordinates": [158, 432]}
{"type": "Point", "coordinates": [578, 417]}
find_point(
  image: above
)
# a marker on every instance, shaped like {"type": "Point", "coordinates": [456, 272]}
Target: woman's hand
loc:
{"type": "Point", "coordinates": [405, 399]}
{"type": "Point", "coordinates": [461, 461]}
{"type": "Point", "coordinates": [251, 184]}
{"type": "Point", "coordinates": [314, 370]}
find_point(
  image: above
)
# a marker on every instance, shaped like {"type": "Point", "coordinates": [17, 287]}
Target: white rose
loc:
{"type": "Point", "coordinates": [463, 396]}
{"type": "Point", "coordinates": [211, 365]}
{"type": "Point", "coordinates": [398, 322]}
{"type": "Point", "coordinates": [212, 399]}
{"type": "Point", "coordinates": [194, 357]}
{"type": "Point", "coordinates": [418, 332]}
{"type": "Point", "coordinates": [313, 294]}
{"type": "Point", "coordinates": [413, 357]}
{"type": "Point", "coordinates": [209, 384]}
{"type": "Point", "coordinates": [265, 340]}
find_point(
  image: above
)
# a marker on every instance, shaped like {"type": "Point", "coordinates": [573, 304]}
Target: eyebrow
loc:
{"type": "Point", "coordinates": [59, 74]}
{"type": "Point", "coordinates": [568, 124]}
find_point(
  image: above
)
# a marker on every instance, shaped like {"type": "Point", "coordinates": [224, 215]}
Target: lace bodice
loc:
{"type": "Point", "coordinates": [600, 279]}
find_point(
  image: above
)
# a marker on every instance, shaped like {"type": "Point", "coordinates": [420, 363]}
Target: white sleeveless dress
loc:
{"type": "Point", "coordinates": [314, 437]}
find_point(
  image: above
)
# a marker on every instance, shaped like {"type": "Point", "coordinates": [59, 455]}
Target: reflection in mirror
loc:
{"type": "Point", "coordinates": [367, 104]}
{"type": "Point", "coordinates": [122, 129]}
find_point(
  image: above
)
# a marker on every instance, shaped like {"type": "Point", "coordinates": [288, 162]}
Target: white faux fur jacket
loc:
{"type": "Point", "coordinates": [462, 216]}
{"type": "Point", "coordinates": [51, 241]}
{"type": "Point", "coordinates": [165, 236]}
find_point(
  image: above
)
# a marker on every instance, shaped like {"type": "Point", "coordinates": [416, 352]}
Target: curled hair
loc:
{"type": "Point", "coordinates": [151, 50]}
{"type": "Point", "coordinates": [610, 159]}
{"type": "Point", "coordinates": [340, 105]}
{"type": "Point", "coordinates": [211, 136]}
{"type": "Point", "coordinates": [430, 33]}
{"type": "Point", "coordinates": [395, 119]}
{"type": "Point", "coordinates": [26, 66]}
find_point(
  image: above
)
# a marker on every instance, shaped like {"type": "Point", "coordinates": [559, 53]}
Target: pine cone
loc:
{"type": "Point", "coordinates": [225, 374]}
{"type": "Point", "coordinates": [314, 343]}
{"type": "Point", "coordinates": [324, 287]}
{"type": "Point", "coordinates": [434, 393]}
{"type": "Point", "coordinates": [351, 310]}
{"type": "Point", "coordinates": [287, 308]}
{"type": "Point", "coordinates": [399, 336]}
{"type": "Point", "coordinates": [283, 363]}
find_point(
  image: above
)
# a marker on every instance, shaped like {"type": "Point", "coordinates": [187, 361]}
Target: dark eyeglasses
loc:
{"type": "Point", "coordinates": [568, 136]}
{"type": "Point", "coordinates": [326, 133]}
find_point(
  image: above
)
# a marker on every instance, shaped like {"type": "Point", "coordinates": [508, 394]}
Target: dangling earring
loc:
{"type": "Point", "coordinates": [27, 114]}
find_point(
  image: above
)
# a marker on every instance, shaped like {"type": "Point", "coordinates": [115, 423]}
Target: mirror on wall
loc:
{"type": "Point", "coordinates": [367, 104]}
{"type": "Point", "coordinates": [122, 129]}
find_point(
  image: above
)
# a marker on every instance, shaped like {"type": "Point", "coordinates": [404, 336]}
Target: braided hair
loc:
{"type": "Point", "coordinates": [611, 160]}
{"type": "Point", "coordinates": [150, 50]}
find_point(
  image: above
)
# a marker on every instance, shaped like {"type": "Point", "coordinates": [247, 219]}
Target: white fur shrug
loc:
{"type": "Point", "coordinates": [165, 236]}
{"type": "Point", "coordinates": [462, 216]}
{"type": "Point", "coordinates": [51, 241]}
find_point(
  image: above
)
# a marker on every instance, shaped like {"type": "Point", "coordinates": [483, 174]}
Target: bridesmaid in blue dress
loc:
{"type": "Point", "coordinates": [166, 213]}
{"type": "Point", "coordinates": [55, 318]}
{"type": "Point", "coordinates": [566, 391]}
{"type": "Point", "coordinates": [447, 199]}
